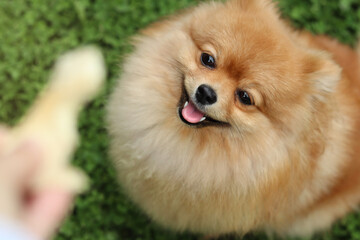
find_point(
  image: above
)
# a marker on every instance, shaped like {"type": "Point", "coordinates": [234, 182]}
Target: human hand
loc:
{"type": "Point", "coordinates": [39, 212]}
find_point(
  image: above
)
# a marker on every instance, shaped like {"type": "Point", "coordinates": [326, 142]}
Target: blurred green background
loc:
{"type": "Point", "coordinates": [34, 33]}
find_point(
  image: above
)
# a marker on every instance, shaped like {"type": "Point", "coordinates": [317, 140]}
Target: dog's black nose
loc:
{"type": "Point", "coordinates": [205, 95]}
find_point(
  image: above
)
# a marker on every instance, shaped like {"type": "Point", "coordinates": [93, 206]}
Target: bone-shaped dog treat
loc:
{"type": "Point", "coordinates": [52, 120]}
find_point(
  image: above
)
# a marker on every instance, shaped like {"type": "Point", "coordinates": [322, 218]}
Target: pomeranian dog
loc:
{"type": "Point", "coordinates": [226, 120]}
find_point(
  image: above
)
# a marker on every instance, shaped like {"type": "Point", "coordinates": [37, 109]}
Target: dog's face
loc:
{"type": "Point", "coordinates": [241, 70]}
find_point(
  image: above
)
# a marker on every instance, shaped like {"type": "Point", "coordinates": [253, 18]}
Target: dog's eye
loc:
{"type": "Point", "coordinates": [244, 97]}
{"type": "Point", "coordinates": [207, 60]}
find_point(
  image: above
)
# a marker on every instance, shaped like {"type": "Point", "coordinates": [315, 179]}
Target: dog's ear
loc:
{"type": "Point", "coordinates": [322, 72]}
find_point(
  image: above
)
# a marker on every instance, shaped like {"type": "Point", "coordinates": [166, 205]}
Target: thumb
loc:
{"type": "Point", "coordinates": [16, 170]}
{"type": "Point", "coordinates": [21, 164]}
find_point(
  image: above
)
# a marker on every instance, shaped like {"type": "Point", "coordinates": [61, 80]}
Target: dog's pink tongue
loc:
{"type": "Point", "coordinates": [191, 114]}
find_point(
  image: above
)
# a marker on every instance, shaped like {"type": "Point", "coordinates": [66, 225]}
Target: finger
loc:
{"type": "Point", "coordinates": [17, 169]}
{"type": "Point", "coordinates": [46, 212]}
{"type": "Point", "coordinates": [19, 166]}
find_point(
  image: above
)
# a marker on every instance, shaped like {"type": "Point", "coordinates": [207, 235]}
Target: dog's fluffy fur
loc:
{"type": "Point", "coordinates": [286, 164]}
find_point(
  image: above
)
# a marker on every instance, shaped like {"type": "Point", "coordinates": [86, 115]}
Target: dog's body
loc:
{"type": "Point", "coordinates": [277, 148]}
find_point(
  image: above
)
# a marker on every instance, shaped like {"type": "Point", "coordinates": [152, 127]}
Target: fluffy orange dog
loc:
{"type": "Point", "coordinates": [227, 120]}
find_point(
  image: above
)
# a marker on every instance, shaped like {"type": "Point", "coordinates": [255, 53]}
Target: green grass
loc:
{"type": "Point", "coordinates": [34, 32]}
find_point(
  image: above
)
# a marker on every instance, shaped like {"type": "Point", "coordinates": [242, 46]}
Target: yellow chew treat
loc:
{"type": "Point", "coordinates": [52, 120]}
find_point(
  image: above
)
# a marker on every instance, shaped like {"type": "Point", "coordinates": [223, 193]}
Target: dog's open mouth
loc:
{"type": "Point", "coordinates": [192, 116]}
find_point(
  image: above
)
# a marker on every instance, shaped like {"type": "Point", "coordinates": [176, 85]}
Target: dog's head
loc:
{"type": "Point", "coordinates": [225, 69]}
{"type": "Point", "coordinates": [243, 68]}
